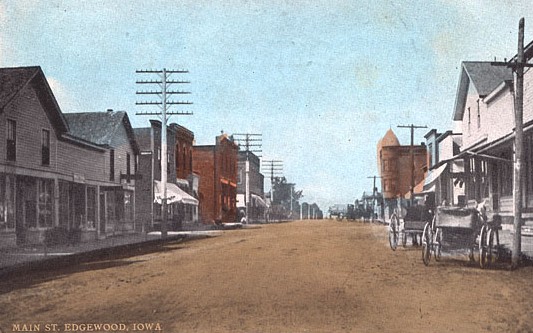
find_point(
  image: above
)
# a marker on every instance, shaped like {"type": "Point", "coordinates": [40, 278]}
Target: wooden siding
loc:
{"type": "Point", "coordinates": [31, 119]}
{"type": "Point", "coordinates": [122, 146]}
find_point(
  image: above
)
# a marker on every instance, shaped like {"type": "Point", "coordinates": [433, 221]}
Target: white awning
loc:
{"type": "Point", "coordinates": [259, 201]}
{"type": "Point", "coordinates": [182, 182]}
{"type": "Point", "coordinates": [432, 176]}
{"type": "Point", "coordinates": [174, 194]}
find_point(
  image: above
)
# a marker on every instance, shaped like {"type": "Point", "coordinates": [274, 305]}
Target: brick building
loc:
{"type": "Point", "coordinates": [394, 165]}
{"type": "Point", "coordinates": [216, 165]}
{"type": "Point", "coordinates": [182, 206]}
{"type": "Point", "coordinates": [52, 183]}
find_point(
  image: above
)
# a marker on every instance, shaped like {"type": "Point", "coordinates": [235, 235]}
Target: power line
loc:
{"type": "Point", "coordinates": [275, 169]}
{"type": "Point", "coordinates": [252, 143]}
{"type": "Point", "coordinates": [163, 82]}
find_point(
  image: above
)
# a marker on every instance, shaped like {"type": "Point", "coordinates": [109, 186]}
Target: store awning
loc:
{"type": "Point", "coordinates": [432, 176]}
{"type": "Point", "coordinates": [182, 182]}
{"type": "Point", "coordinates": [259, 201]}
{"type": "Point", "coordinates": [174, 194]}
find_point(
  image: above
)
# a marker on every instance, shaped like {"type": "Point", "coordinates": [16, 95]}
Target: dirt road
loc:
{"type": "Point", "coordinates": [305, 276]}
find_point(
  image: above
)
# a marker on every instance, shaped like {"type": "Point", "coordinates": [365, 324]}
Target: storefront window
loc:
{"type": "Point", "coordinates": [91, 207]}
{"type": "Point", "coordinates": [45, 206]}
{"type": "Point", "coordinates": [128, 206]}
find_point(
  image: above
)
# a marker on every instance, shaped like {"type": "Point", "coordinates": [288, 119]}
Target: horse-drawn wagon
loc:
{"type": "Point", "coordinates": [469, 224]}
{"type": "Point", "coordinates": [413, 222]}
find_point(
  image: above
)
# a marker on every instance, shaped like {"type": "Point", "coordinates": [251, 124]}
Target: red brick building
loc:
{"type": "Point", "coordinates": [394, 165]}
{"type": "Point", "coordinates": [183, 151]}
{"type": "Point", "coordinates": [216, 165]}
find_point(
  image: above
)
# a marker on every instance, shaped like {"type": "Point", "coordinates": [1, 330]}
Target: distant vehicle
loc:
{"type": "Point", "coordinates": [339, 211]}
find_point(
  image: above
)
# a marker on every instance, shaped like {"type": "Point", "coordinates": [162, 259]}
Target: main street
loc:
{"type": "Point", "coordinates": [303, 276]}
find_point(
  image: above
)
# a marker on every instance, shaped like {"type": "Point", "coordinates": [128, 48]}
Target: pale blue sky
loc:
{"type": "Point", "coordinates": [321, 80]}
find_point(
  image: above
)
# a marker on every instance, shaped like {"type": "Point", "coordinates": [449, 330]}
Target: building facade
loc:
{"type": "Point", "coordinates": [256, 180]}
{"type": "Point", "coordinates": [396, 168]}
{"type": "Point", "coordinates": [112, 130]}
{"type": "Point", "coordinates": [181, 206]}
{"type": "Point", "coordinates": [216, 165]}
{"type": "Point", "coordinates": [485, 110]}
{"type": "Point", "coordinates": [445, 175]}
{"type": "Point", "coordinates": [54, 186]}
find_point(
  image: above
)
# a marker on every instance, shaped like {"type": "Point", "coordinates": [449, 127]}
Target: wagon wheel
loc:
{"type": "Point", "coordinates": [483, 241]}
{"type": "Point", "coordinates": [403, 234]}
{"type": "Point", "coordinates": [426, 244]}
{"type": "Point", "coordinates": [394, 226]}
{"type": "Point", "coordinates": [492, 251]}
{"type": "Point", "coordinates": [438, 245]}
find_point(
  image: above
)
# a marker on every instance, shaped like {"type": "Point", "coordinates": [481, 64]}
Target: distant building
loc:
{"type": "Point", "coordinates": [216, 165]}
{"type": "Point", "coordinates": [257, 202]}
{"type": "Point", "coordinates": [395, 169]}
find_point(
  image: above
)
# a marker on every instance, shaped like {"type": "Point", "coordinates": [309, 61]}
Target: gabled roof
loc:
{"type": "Point", "coordinates": [14, 80]}
{"type": "Point", "coordinates": [483, 76]}
{"type": "Point", "coordinates": [100, 127]}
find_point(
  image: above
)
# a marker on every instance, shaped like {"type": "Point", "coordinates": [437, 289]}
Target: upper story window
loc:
{"type": "Point", "coordinates": [478, 115]}
{"type": "Point", "coordinates": [190, 160]}
{"type": "Point", "coordinates": [112, 165]}
{"type": "Point", "coordinates": [45, 147]}
{"type": "Point", "coordinates": [128, 167]}
{"type": "Point", "coordinates": [468, 120]}
{"type": "Point", "coordinates": [430, 153]}
{"type": "Point", "coordinates": [11, 142]}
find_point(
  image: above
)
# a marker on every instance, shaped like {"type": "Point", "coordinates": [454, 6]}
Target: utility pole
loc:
{"type": "Point", "coordinates": [518, 67]}
{"type": "Point", "coordinates": [373, 195]}
{"type": "Point", "coordinates": [252, 143]}
{"type": "Point", "coordinates": [163, 82]}
{"type": "Point", "coordinates": [291, 186]}
{"type": "Point", "coordinates": [412, 153]}
{"type": "Point", "coordinates": [275, 169]}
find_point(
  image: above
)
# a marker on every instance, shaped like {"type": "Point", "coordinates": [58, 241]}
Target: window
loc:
{"type": "Point", "coordinates": [468, 120]}
{"type": "Point", "coordinates": [430, 153]}
{"type": "Point", "coordinates": [11, 149]}
{"type": "Point", "coordinates": [91, 207]}
{"type": "Point", "coordinates": [478, 115]}
{"type": "Point", "coordinates": [190, 160]}
{"type": "Point", "coordinates": [128, 206]}
{"type": "Point", "coordinates": [112, 165]}
{"type": "Point", "coordinates": [45, 206]}
{"type": "Point", "coordinates": [128, 167]}
{"type": "Point", "coordinates": [7, 203]}
{"type": "Point", "coordinates": [45, 147]}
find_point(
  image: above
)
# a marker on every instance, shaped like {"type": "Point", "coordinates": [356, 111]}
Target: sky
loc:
{"type": "Point", "coordinates": [321, 80]}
